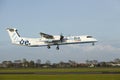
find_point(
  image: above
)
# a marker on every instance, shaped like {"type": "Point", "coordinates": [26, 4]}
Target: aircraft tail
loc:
{"type": "Point", "coordinates": [14, 35]}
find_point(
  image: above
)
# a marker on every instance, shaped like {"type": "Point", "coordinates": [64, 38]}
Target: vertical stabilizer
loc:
{"type": "Point", "coordinates": [14, 36]}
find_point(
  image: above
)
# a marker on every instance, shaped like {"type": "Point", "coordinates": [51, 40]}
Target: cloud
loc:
{"type": "Point", "coordinates": [97, 48]}
{"type": "Point", "coordinates": [100, 52]}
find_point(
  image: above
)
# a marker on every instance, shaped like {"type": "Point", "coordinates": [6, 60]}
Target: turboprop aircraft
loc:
{"type": "Point", "coordinates": [48, 40]}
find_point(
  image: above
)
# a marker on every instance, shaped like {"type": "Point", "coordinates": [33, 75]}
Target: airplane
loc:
{"type": "Point", "coordinates": [48, 40]}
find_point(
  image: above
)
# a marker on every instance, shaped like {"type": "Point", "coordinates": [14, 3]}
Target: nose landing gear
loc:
{"type": "Point", "coordinates": [93, 43]}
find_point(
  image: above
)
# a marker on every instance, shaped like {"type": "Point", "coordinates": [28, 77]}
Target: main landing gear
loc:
{"type": "Point", "coordinates": [57, 48]}
{"type": "Point", "coordinates": [48, 47]}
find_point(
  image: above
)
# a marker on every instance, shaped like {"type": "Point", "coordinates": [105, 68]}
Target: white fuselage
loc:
{"type": "Point", "coordinates": [48, 40]}
{"type": "Point", "coordinates": [35, 42]}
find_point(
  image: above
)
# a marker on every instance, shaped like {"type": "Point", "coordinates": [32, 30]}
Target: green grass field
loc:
{"type": "Point", "coordinates": [61, 76]}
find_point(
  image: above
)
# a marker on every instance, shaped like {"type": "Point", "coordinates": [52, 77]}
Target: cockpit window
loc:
{"type": "Point", "coordinates": [89, 36]}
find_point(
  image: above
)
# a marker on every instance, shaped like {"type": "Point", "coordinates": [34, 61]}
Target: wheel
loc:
{"type": "Point", "coordinates": [93, 43]}
{"type": "Point", "coordinates": [48, 46]}
{"type": "Point", "coordinates": [57, 48]}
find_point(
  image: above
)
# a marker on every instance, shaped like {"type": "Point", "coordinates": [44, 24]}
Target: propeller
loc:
{"type": "Point", "coordinates": [61, 37]}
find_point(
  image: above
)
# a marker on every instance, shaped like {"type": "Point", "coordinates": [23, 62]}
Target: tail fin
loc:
{"type": "Point", "coordinates": [14, 35]}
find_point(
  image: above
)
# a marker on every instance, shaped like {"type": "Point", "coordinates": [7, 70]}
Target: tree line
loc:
{"type": "Point", "coordinates": [24, 63]}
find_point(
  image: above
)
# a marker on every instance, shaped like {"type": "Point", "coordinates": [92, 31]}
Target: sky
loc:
{"type": "Point", "coordinates": [99, 18]}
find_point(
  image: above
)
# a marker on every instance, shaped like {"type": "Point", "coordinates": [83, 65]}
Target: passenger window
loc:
{"type": "Point", "coordinates": [76, 38]}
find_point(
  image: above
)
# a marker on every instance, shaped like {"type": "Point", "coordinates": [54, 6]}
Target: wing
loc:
{"type": "Point", "coordinates": [47, 36]}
